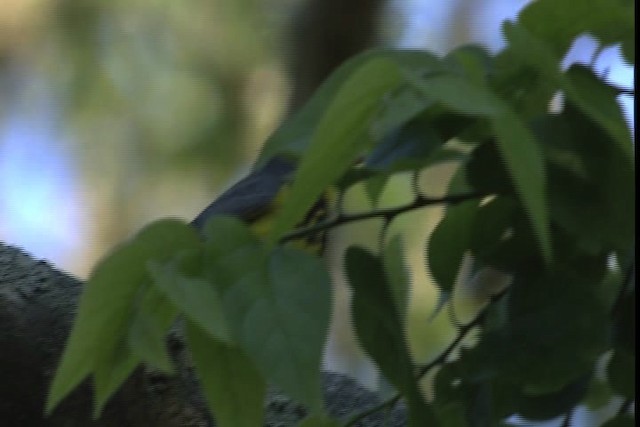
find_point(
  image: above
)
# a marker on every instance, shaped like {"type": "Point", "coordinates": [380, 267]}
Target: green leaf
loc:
{"type": "Point", "coordinates": [592, 95]}
{"type": "Point", "coordinates": [471, 61]}
{"type": "Point", "coordinates": [493, 227]}
{"type": "Point", "coordinates": [380, 330]}
{"type": "Point", "coordinates": [486, 171]}
{"type": "Point", "coordinates": [198, 299]}
{"type": "Point", "coordinates": [102, 312]}
{"type": "Point", "coordinates": [590, 182]}
{"type": "Point", "coordinates": [622, 373]}
{"type": "Point", "coordinates": [397, 274]}
{"type": "Point", "coordinates": [153, 316]}
{"type": "Point", "coordinates": [518, 147]}
{"type": "Point", "coordinates": [556, 329]}
{"type": "Point", "coordinates": [295, 135]}
{"type": "Point", "coordinates": [479, 405]}
{"type": "Point", "coordinates": [277, 305]}
{"type": "Point", "coordinates": [559, 22]}
{"type": "Point", "coordinates": [398, 108]}
{"type": "Point", "coordinates": [374, 187]}
{"type": "Point", "coordinates": [228, 240]}
{"type": "Point", "coordinates": [449, 242]}
{"type": "Point", "coordinates": [624, 420]}
{"type": "Point", "coordinates": [599, 101]}
{"type": "Point", "coordinates": [487, 397]}
{"type": "Point", "coordinates": [502, 236]}
{"type": "Point", "coordinates": [598, 395]}
{"type": "Point", "coordinates": [110, 372]}
{"type": "Point", "coordinates": [548, 406]}
{"type": "Point", "coordinates": [412, 146]}
{"type": "Point", "coordinates": [99, 331]}
{"type": "Point", "coordinates": [458, 94]}
{"type": "Point", "coordinates": [452, 415]}
{"type": "Point", "coordinates": [524, 161]}
{"type": "Point", "coordinates": [232, 385]}
{"type": "Point", "coordinates": [443, 298]}
{"type": "Point", "coordinates": [522, 84]}
{"type": "Point", "coordinates": [285, 319]}
{"type": "Point", "coordinates": [524, 46]}
{"type": "Point", "coordinates": [624, 333]}
{"type": "Point", "coordinates": [461, 402]}
{"type": "Point", "coordinates": [341, 136]}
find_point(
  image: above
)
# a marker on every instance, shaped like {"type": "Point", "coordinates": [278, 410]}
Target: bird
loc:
{"type": "Point", "coordinates": [256, 198]}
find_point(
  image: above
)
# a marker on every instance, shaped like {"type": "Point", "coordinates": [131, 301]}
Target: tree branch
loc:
{"type": "Point", "coordinates": [387, 214]}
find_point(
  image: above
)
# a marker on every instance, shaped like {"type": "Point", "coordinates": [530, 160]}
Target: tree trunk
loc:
{"type": "Point", "coordinates": [324, 34]}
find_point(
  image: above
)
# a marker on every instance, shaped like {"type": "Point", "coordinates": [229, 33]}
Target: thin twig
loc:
{"type": "Point", "coordinates": [462, 333]}
{"type": "Point", "coordinates": [387, 213]}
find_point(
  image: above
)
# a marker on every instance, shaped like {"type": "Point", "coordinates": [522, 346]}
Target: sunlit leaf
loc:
{"type": "Point", "coordinates": [296, 134]}
{"type": "Point", "coordinates": [98, 337]}
{"type": "Point", "coordinates": [341, 136]}
{"type": "Point", "coordinates": [110, 372]}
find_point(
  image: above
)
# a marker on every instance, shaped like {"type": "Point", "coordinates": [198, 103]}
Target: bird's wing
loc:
{"type": "Point", "coordinates": [251, 197]}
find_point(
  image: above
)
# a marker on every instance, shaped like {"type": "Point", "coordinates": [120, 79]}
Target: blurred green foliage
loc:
{"type": "Point", "coordinates": [159, 101]}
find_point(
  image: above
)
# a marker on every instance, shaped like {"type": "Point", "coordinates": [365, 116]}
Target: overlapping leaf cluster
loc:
{"type": "Point", "coordinates": [247, 317]}
{"type": "Point", "coordinates": [545, 197]}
